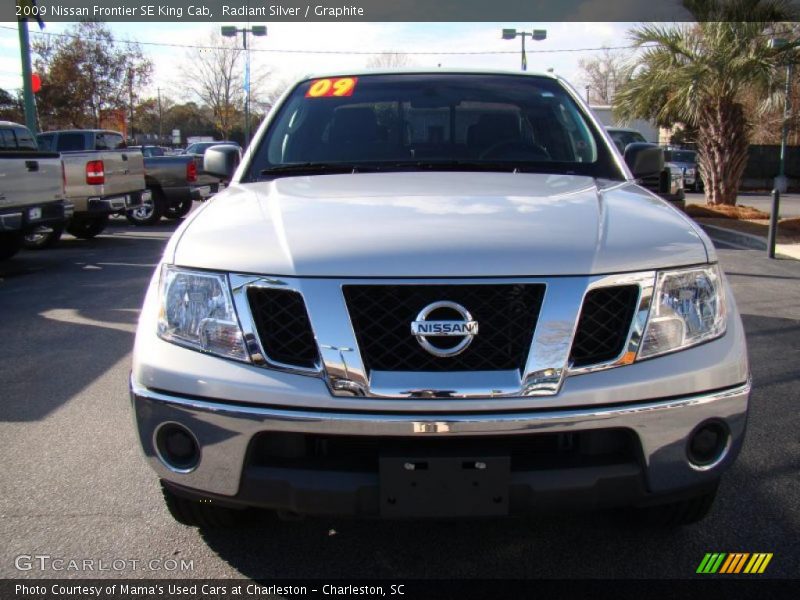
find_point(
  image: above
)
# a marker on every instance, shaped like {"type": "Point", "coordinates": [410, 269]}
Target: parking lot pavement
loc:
{"type": "Point", "coordinates": [789, 203]}
{"type": "Point", "coordinates": [75, 486]}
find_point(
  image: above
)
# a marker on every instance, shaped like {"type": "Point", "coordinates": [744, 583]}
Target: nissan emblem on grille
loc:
{"type": "Point", "coordinates": [424, 328]}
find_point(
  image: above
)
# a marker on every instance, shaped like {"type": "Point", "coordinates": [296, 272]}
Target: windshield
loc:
{"type": "Point", "coordinates": [430, 121]}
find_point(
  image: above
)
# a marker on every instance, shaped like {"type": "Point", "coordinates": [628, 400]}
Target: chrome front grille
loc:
{"type": "Point", "coordinates": [382, 314]}
{"type": "Point", "coordinates": [604, 325]}
{"type": "Point", "coordinates": [283, 326]}
{"type": "Point", "coordinates": [356, 334]}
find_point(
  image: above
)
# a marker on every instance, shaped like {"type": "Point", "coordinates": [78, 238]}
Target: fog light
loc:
{"type": "Point", "coordinates": [708, 445]}
{"type": "Point", "coordinates": [177, 447]}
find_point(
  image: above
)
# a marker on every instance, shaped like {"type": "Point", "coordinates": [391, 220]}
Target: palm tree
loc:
{"type": "Point", "coordinates": [697, 74]}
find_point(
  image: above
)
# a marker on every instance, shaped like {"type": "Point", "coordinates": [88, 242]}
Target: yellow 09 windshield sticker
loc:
{"type": "Point", "coordinates": [334, 87]}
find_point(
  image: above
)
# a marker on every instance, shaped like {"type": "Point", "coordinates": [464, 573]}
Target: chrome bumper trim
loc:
{"type": "Point", "coordinates": [225, 430]}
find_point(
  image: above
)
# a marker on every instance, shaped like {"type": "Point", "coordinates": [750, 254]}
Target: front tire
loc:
{"type": "Point", "coordinates": [180, 211]}
{"type": "Point", "coordinates": [10, 244]}
{"type": "Point", "coordinates": [44, 237]}
{"type": "Point", "coordinates": [150, 212]}
{"type": "Point", "coordinates": [87, 227]}
{"type": "Point", "coordinates": [198, 514]}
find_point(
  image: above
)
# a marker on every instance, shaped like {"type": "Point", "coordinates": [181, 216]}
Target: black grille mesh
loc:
{"type": "Point", "coordinates": [382, 316]}
{"type": "Point", "coordinates": [283, 326]}
{"type": "Point", "coordinates": [604, 324]}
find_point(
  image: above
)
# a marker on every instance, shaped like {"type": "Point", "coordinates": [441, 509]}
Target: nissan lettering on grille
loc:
{"type": "Point", "coordinates": [424, 328]}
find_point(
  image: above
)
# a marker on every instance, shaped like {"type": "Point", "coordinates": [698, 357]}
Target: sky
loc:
{"type": "Point", "coordinates": [171, 62]}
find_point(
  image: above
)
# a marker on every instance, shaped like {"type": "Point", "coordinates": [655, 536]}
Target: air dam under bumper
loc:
{"type": "Point", "coordinates": [226, 432]}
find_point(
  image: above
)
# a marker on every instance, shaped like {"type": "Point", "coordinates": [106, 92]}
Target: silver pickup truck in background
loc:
{"type": "Point", "coordinates": [102, 177]}
{"type": "Point", "coordinates": [173, 182]}
{"type": "Point", "coordinates": [31, 188]}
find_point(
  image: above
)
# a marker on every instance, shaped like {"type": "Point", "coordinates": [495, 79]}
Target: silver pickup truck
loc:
{"type": "Point", "coordinates": [438, 294]}
{"type": "Point", "coordinates": [31, 188]}
{"type": "Point", "coordinates": [102, 178]}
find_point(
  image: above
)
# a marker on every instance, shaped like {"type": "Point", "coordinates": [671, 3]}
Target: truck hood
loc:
{"type": "Point", "coordinates": [436, 225]}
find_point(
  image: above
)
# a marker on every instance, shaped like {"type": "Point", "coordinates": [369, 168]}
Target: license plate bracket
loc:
{"type": "Point", "coordinates": [450, 486]}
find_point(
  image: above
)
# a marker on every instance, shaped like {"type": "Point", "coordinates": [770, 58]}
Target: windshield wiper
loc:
{"type": "Point", "coordinates": [309, 168]}
{"type": "Point", "coordinates": [455, 165]}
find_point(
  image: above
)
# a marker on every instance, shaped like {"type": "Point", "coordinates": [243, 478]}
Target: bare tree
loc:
{"type": "Point", "coordinates": [215, 77]}
{"type": "Point", "coordinates": [604, 74]}
{"type": "Point", "coordinates": [391, 60]}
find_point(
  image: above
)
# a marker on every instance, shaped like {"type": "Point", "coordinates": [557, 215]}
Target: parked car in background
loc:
{"type": "Point", "coordinates": [174, 184]}
{"type": "Point", "coordinates": [31, 188]}
{"type": "Point", "coordinates": [201, 147]}
{"type": "Point", "coordinates": [148, 151]}
{"type": "Point", "coordinates": [669, 183]}
{"type": "Point", "coordinates": [102, 177]}
{"type": "Point", "coordinates": [686, 160]}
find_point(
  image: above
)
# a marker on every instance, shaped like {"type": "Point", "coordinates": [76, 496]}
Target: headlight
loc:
{"type": "Point", "coordinates": [688, 308]}
{"type": "Point", "coordinates": [197, 312]}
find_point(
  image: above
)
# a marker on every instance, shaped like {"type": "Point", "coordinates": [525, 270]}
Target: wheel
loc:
{"type": "Point", "coordinates": [150, 212]}
{"type": "Point", "coordinates": [43, 237]}
{"type": "Point", "coordinates": [88, 227]}
{"type": "Point", "coordinates": [10, 244]}
{"type": "Point", "coordinates": [680, 513]}
{"type": "Point", "coordinates": [197, 514]}
{"type": "Point", "coordinates": [180, 211]}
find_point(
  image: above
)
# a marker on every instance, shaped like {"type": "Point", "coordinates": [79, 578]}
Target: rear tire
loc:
{"type": "Point", "coordinates": [180, 211]}
{"type": "Point", "coordinates": [677, 514]}
{"type": "Point", "coordinates": [88, 227]}
{"type": "Point", "coordinates": [10, 244]}
{"type": "Point", "coordinates": [44, 237]}
{"type": "Point", "coordinates": [150, 212]}
{"type": "Point", "coordinates": [197, 514]}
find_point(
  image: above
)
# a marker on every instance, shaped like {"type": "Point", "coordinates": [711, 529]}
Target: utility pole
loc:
{"type": "Point", "coordinates": [160, 120]}
{"type": "Point", "coordinates": [130, 101]}
{"type": "Point", "coordinates": [27, 82]}
{"type": "Point", "coordinates": [246, 89]}
{"type": "Point", "coordinates": [231, 31]}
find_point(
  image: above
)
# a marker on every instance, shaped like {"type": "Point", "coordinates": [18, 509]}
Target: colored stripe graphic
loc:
{"type": "Point", "coordinates": [711, 562]}
{"type": "Point", "coordinates": [734, 563]}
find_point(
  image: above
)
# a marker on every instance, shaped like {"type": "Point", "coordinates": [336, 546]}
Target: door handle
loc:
{"type": "Point", "coordinates": [32, 165]}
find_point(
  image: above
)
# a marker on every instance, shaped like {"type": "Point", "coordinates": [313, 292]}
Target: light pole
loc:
{"type": "Point", "coordinates": [537, 35]}
{"type": "Point", "coordinates": [259, 31]}
{"type": "Point", "coordinates": [781, 183]}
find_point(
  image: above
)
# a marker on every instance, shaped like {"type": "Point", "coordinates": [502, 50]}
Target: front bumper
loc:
{"type": "Point", "coordinates": [225, 432]}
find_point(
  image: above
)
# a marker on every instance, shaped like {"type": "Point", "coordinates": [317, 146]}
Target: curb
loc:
{"type": "Point", "coordinates": [753, 242]}
{"type": "Point", "coordinates": [735, 237]}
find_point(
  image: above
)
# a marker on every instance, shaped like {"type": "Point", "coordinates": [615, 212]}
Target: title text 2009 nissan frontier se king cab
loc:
{"type": "Point", "coordinates": [437, 294]}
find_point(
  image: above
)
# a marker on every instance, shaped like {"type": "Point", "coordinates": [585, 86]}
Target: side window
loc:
{"type": "Point", "coordinates": [46, 142]}
{"type": "Point", "coordinates": [109, 141]}
{"type": "Point", "coordinates": [7, 141]}
{"type": "Point", "coordinates": [25, 140]}
{"type": "Point", "coordinates": [70, 142]}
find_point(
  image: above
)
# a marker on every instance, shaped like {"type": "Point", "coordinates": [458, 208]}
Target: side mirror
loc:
{"type": "Point", "coordinates": [221, 161]}
{"type": "Point", "coordinates": [644, 159]}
